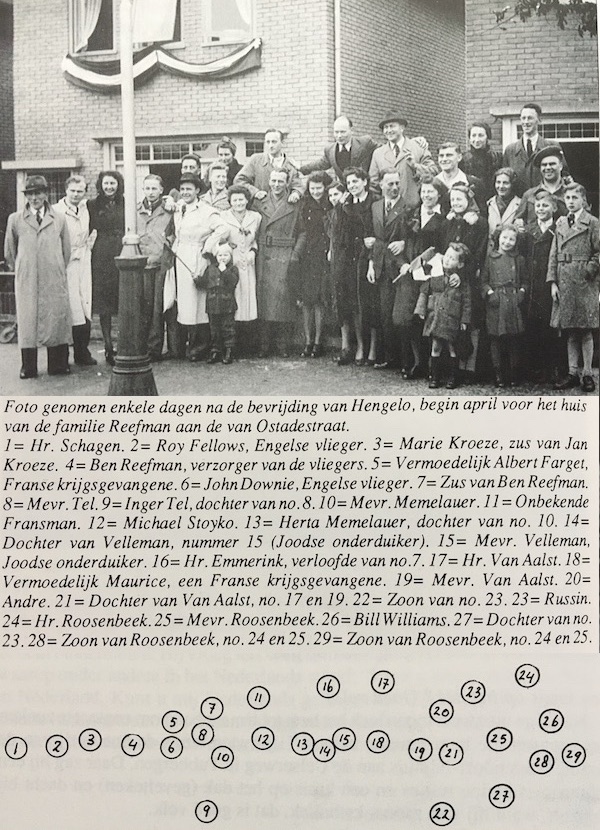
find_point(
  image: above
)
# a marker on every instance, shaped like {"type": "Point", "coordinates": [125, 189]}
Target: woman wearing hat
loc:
{"type": "Point", "coordinates": [199, 228]}
{"type": "Point", "coordinates": [107, 218]}
{"type": "Point", "coordinates": [37, 249]}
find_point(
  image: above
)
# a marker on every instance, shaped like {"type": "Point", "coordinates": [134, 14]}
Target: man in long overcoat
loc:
{"type": "Point", "coordinates": [281, 240]}
{"type": "Point", "coordinates": [38, 249]}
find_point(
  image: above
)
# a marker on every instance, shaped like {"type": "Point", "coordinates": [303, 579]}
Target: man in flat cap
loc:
{"type": "Point", "coordinates": [37, 248]}
{"type": "Point", "coordinates": [551, 163]}
{"type": "Point", "coordinates": [520, 154]}
{"type": "Point", "coordinates": [409, 156]}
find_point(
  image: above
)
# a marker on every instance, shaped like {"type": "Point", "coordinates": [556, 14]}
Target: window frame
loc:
{"type": "Point", "coordinates": [94, 52]}
{"type": "Point", "coordinates": [207, 29]}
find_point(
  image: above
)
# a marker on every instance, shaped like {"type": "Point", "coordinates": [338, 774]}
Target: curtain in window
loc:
{"type": "Point", "coordinates": [154, 20]}
{"type": "Point", "coordinates": [85, 19]}
{"type": "Point", "coordinates": [245, 10]}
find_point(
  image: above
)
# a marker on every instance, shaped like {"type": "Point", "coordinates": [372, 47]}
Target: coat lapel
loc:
{"type": "Point", "coordinates": [580, 226]}
{"type": "Point", "coordinates": [281, 210]}
{"type": "Point", "coordinates": [394, 213]}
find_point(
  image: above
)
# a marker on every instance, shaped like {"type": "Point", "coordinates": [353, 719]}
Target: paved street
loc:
{"type": "Point", "coordinates": [253, 376]}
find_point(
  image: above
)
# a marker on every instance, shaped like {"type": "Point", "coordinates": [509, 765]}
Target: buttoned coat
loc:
{"type": "Point", "coordinates": [361, 153]}
{"type": "Point", "coordinates": [281, 241]}
{"type": "Point", "coordinates": [257, 170]}
{"type": "Point", "coordinates": [241, 235]}
{"type": "Point", "coordinates": [446, 307]}
{"type": "Point", "coordinates": [79, 268]}
{"type": "Point", "coordinates": [410, 177]}
{"type": "Point", "coordinates": [220, 288]}
{"type": "Point", "coordinates": [574, 251]}
{"type": "Point", "coordinates": [536, 245]}
{"type": "Point", "coordinates": [515, 156]}
{"type": "Point", "coordinates": [39, 255]}
{"type": "Point", "coordinates": [504, 274]}
{"type": "Point", "coordinates": [108, 218]}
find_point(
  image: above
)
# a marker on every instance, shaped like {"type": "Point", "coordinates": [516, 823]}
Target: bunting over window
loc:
{"type": "Point", "coordinates": [106, 76]}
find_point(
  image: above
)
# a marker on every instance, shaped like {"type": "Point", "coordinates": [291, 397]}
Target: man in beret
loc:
{"type": "Point", "coordinates": [550, 162]}
{"type": "Point", "coordinates": [409, 156]}
{"type": "Point", "coordinates": [37, 248]}
{"type": "Point", "coordinates": [520, 154]}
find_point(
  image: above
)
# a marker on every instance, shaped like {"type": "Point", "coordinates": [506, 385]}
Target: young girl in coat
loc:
{"type": "Point", "coordinates": [445, 305]}
{"type": "Point", "coordinates": [220, 280]}
{"type": "Point", "coordinates": [503, 290]}
{"type": "Point", "coordinates": [573, 273]}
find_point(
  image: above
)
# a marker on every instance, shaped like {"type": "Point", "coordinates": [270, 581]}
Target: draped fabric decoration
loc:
{"type": "Point", "coordinates": [106, 77]}
{"type": "Point", "coordinates": [154, 21]}
{"type": "Point", "coordinates": [85, 20]}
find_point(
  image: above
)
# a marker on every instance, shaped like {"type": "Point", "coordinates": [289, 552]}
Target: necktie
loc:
{"type": "Point", "coordinates": [183, 210]}
{"type": "Point", "coordinates": [396, 150]}
{"type": "Point", "coordinates": [39, 217]}
{"type": "Point", "coordinates": [529, 148]}
{"type": "Point", "coordinates": [571, 219]}
{"type": "Point", "coordinates": [388, 207]}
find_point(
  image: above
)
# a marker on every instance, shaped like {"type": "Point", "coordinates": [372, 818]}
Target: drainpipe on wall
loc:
{"type": "Point", "coordinates": [337, 56]}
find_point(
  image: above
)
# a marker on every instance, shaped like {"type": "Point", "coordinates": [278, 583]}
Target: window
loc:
{"type": "Point", "coordinates": [93, 24]}
{"type": "Point", "coordinates": [229, 21]}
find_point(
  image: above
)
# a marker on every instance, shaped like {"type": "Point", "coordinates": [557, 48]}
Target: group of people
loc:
{"type": "Point", "coordinates": [430, 265]}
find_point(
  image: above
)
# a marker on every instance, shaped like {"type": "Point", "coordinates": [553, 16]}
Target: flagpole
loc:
{"type": "Point", "coordinates": [132, 372]}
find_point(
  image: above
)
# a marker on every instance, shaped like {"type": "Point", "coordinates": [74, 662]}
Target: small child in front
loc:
{"type": "Point", "coordinates": [220, 280]}
{"type": "Point", "coordinates": [445, 305]}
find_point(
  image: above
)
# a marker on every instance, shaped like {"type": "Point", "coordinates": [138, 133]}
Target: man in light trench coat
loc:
{"type": "Point", "coordinates": [37, 249]}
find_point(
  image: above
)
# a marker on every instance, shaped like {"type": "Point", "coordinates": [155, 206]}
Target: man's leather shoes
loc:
{"type": "Point", "coordinates": [570, 382]}
{"type": "Point", "coordinates": [587, 383]}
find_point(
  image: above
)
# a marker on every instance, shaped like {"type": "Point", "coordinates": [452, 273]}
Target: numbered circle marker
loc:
{"type": "Point", "coordinates": [211, 708]}
{"type": "Point", "coordinates": [57, 746]}
{"type": "Point", "coordinates": [499, 738]}
{"type": "Point", "coordinates": [15, 748]}
{"type": "Point", "coordinates": [378, 741]}
{"type": "Point", "coordinates": [222, 757]}
{"type": "Point", "coordinates": [343, 738]}
{"type": "Point", "coordinates": [441, 711]}
{"type": "Point", "coordinates": [573, 755]}
{"type": "Point", "coordinates": [552, 720]}
{"type": "Point", "coordinates": [541, 761]}
{"type": "Point", "coordinates": [202, 734]}
{"type": "Point", "coordinates": [302, 743]}
{"type": "Point", "coordinates": [451, 754]}
{"type": "Point", "coordinates": [173, 721]}
{"type": "Point", "coordinates": [263, 738]}
{"type": "Point", "coordinates": [473, 691]}
{"type": "Point", "coordinates": [90, 740]}
{"type": "Point", "coordinates": [328, 685]}
{"type": "Point", "coordinates": [258, 697]}
{"type": "Point", "coordinates": [501, 796]}
{"type": "Point", "coordinates": [527, 675]}
{"type": "Point", "coordinates": [420, 749]}
{"type": "Point", "coordinates": [442, 814]}
{"type": "Point", "coordinates": [383, 682]}
{"type": "Point", "coordinates": [132, 745]}
{"type": "Point", "coordinates": [206, 811]}
{"type": "Point", "coordinates": [171, 747]}
{"type": "Point", "coordinates": [324, 750]}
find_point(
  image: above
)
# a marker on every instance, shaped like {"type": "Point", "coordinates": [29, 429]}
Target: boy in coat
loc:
{"type": "Point", "coordinates": [38, 249]}
{"type": "Point", "coordinates": [220, 280]}
{"type": "Point", "coordinates": [573, 271]}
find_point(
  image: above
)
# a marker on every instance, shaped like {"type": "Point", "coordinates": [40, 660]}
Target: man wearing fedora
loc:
{"type": "Point", "coordinates": [37, 249]}
{"type": "Point", "coordinates": [409, 156]}
{"type": "Point", "coordinates": [551, 163]}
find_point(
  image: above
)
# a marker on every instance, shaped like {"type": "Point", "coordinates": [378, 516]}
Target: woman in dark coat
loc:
{"type": "Point", "coordinates": [107, 217]}
{"type": "Point", "coordinates": [343, 272]}
{"type": "Point", "coordinates": [357, 208]}
{"type": "Point", "coordinates": [480, 160]}
{"type": "Point", "coordinates": [313, 282]}
{"type": "Point", "coordinates": [422, 230]}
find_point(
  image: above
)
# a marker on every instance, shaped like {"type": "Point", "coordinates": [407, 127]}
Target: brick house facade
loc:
{"type": "Point", "coordinates": [515, 63]}
{"type": "Point", "coordinates": [61, 127]}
